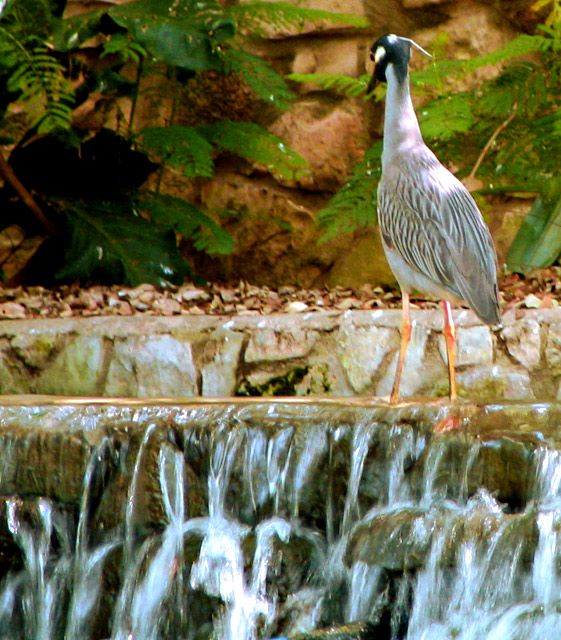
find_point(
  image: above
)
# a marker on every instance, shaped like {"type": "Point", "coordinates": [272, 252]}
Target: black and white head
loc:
{"type": "Point", "coordinates": [391, 50]}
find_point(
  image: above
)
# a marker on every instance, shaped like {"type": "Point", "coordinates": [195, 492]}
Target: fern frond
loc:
{"type": "Point", "coordinates": [187, 220]}
{"type": "Point", "coordinates": [354, 206]}
{"type": "Point", "coordinates": [253, 18]}
{"type": "Point", "coordinates": [352, 87]}
{"type": "Point", "coordinates": [254, 143]}
{"type": "Point", "coordinates": [444, 117]}
{"type": "Point", "coordinates": [259, 77]}
{"type": "Point", "coordinates": [41, 81]}
{"type": "Point", "coordinates": [181, 147]}
{"type": "Point", "coordinates": [452, 70]}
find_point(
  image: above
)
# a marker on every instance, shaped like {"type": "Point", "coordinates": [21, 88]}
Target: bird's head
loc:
{"type": "Point", "coordinates": [391, 50]}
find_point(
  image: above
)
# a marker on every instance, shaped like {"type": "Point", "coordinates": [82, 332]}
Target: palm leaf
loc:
{"type": "Point", "coordinates": [538, 241]}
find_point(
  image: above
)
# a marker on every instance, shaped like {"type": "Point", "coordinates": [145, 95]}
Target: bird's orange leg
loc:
{"type": "Point", "coordinates": [450, 338]}
{"type": "Point", "coordinates": [405, 338]}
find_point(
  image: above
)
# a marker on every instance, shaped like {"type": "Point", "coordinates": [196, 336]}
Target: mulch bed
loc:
{"type": "Point", "coordinates": [542, 289]}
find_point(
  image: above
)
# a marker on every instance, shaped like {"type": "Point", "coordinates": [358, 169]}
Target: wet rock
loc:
{"type": "Point", "coordinates": [135, 484]}
{"type": "Point", "coordinates": [457, 466]}
{"type": "Point", "coordinates": [397, 542]}
{"type": "Point", "coordinates": [43, 463]}
{"type": "Point", "coordinates": [354, 631]}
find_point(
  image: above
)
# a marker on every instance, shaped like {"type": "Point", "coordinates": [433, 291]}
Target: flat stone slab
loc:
{"type": "Point", "coordinates": [330, 353]}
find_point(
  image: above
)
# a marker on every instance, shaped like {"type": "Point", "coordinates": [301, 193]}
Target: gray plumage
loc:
{"type": "Point", "coordinates": [434, 236]}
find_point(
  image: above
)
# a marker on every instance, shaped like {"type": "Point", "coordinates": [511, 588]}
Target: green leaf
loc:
{"type": "Point", "coordinates": [538, 241]}
{"type": "Point", "coordinates": [68, 34]}
{"type": "Point", "coordinates": [254, 143]}
{"type": "Point", "coordinates": [176, 214]}
{"type": "Point", "coordinates": [178, 33]}
{"type": "Point", "coordinates": [181, 147]}
{"type": "Point", "coordinates": [107, 242]}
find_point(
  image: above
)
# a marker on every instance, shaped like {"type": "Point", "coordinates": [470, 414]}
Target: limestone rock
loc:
{"type": "Point", "coordinates": [269, 345]}
{"type": "Point", "coordinates": [523, 342]}
{"type": "Point", "coordinates": [362, 352]}
{"type": "Point", "coordinates": [490, 383]}
{"type": "Point", "coordinates": [219, 371]}
{"type": "Point", "coordinates": [35, 351]}
{"type": "Point", "coordinates": [473, 28]}
{"type": "Point", "coordinates": [364, 261]}
{"type": "Point", "coordinates": [278, 231]}
{"type": "Point", "coordinates": [151, 365]}
{"type": "Point", "coordinates": [342, 56]}
{"type": "Point", "coordinates": [77, 369]}
{"type": "Point", "coordinates": [12, 378]}
{"type": "Point", "coordinates": [474, 346]}
{"type": "Point", "coordinates": [328, 139]}
{"type": "Point", "coordinates": [415, 375]}
{"type": "Point", "coordinates": [553, 348]}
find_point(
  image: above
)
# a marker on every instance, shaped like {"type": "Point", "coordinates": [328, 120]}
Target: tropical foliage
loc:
{"type": "Point", "coordinates": [86, 191]}
{"type": "Point", "coordinates": [506, 132]}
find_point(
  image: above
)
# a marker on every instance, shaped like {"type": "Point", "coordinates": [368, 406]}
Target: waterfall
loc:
{"type": "Point", "coordinates": [261, 522]}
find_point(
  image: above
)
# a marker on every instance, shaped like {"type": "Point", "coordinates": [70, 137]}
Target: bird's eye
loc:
{"type": "Point", "coordinates": [371, 56]}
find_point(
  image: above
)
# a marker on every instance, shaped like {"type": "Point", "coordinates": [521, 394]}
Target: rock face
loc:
{"type": "Point", "coordinates": [300, 354]}
{"type": "Point", "coordinates": [277, 225]}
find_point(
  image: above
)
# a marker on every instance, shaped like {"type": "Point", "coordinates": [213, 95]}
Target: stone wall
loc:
{"type": "Point", "coordinates": [315, 354]}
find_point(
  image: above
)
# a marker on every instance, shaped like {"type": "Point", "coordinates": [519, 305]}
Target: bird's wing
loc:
{"type": "Point", "coordinates": [431, 220]}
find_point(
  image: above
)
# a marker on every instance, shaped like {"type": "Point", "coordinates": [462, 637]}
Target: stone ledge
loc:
{"type": "Point", "coordinates": [310, 354]}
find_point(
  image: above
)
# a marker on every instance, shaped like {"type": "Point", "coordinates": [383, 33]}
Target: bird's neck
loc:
{"type": "Point", "coordinates": [401, 127]}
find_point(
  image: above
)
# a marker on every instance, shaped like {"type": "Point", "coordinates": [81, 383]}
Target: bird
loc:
{"type": "Point", "coordinates": [433, 234]}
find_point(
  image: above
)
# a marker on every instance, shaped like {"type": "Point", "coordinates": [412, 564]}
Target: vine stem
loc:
{"type": "Point", "coordinates": [491, 141]}
{"type": "Point", "coordinates": [135, 95]}
{"type": "Point", "coordinates": [24, 195]}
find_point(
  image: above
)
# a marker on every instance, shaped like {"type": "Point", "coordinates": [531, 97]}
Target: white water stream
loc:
{"type": "Point", "coordinates": [283, 547]}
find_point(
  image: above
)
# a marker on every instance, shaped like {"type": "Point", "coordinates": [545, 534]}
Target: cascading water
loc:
{"type": "Point", "coordinates": [271, 522]}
